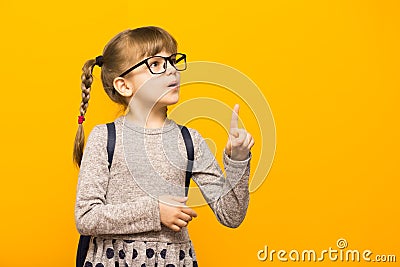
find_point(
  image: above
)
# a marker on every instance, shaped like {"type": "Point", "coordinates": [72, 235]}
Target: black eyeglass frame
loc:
{"type": "Point", "coordinates": [167, 59]}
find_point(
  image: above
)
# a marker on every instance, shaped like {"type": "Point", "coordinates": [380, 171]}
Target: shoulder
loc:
{"type": "Point", "coordinates": [199, 142]}
{"type": "Point", "coordinates": [195, 134]}
{"type": "Point", "coordinates": [100, 131]}
{"type": "Point", "coordinates": [95, 147]}
{"type": "Point", "coordinates": [97, 138]}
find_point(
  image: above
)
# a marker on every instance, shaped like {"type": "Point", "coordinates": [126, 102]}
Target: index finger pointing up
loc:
{"type": "Point", "coordinates": [235, 117]}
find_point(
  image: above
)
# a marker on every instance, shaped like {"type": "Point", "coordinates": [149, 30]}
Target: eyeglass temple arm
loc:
{"type": "Point", "coordinates": [132, 68]}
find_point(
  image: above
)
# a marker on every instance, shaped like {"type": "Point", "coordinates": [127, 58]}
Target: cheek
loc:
{"type": "Point", "coordinates": [154, 85]}
{"type": "Point", "coordinates": [141, 80]}
{"type": "Point", "coordinates": [150, 89]}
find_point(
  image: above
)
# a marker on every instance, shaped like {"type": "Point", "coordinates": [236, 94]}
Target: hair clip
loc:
{"type": "Point", "coordinates": [99, 61]}
{"type": "Point", "coordinates": [81, 119]}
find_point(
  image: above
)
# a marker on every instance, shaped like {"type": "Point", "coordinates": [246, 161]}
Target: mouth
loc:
{"type": "Point", "coordinates": [173, 84]}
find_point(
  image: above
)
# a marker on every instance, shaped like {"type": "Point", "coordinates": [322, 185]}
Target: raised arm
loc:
{"type": "Point", "coordinates": [228, 197]}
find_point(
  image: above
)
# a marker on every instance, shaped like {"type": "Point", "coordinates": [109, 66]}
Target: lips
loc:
{"type": "Point", "coordinates": [173, 84]}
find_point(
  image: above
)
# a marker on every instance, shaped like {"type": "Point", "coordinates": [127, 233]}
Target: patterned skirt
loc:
{"type": "Point", "coordinates": [124, 253]}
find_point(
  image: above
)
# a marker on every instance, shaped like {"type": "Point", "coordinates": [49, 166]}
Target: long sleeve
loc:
{"type": "Point", "coordinates": [93, 215]}
{"type": "Point", "coordinates": [228, 197]}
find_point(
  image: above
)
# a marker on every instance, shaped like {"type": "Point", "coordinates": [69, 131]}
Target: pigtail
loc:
{"type": "Point", "coordinates": [87, 80]}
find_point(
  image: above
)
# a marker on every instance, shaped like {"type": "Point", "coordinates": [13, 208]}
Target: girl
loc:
{"type": "Point", "coordinates": [133, 211]}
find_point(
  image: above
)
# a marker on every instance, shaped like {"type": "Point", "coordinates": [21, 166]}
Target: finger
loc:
{"type": "Point", "coordinates": [247, 141]}
{"type": "Point", "coordinates": [189, 212]}
{"type": "Point", "coordinates": [234, 118]}
{"type": "Point", "coordinates": [251, 144]}
{"type": "Point", "coordinates": [234, 132]}
{"type": "Point", "coordinates": [180, 223]}
{"type": "Point", "coordinates": [185, 217]}
{"type": "Point", "coordinates": [242, 135]}
{"type": "Point", "coordinates": [241, 138]}
{"type": "Point", "coordinates": [174, 227]}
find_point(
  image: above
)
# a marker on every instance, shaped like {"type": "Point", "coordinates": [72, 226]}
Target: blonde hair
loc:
{"type": "Point", "coordinates": [120, 53]}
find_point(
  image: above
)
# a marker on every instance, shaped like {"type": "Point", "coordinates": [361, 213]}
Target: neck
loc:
{"type": "Point", "coordinates": [153, 117]}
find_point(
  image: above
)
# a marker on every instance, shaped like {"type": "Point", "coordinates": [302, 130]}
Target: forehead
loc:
{"type": "Point", "coordinates": [148, 49]}
{"type": "Point", "coordinates": [162, 53]}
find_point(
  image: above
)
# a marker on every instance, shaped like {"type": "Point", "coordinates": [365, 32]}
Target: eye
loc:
{"type": "Point", "coordinates": [154, 64]}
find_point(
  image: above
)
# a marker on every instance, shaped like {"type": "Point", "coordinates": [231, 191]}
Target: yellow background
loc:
{"type": "Point", "coordinates": [329, 70]}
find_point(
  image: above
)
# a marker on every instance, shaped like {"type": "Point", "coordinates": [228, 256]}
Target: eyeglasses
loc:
{"type": "Point", "coordinates": [158, 64]}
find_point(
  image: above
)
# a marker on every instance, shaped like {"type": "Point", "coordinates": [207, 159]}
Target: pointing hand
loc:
{"type": "Point", "coordinates": [239, 140]}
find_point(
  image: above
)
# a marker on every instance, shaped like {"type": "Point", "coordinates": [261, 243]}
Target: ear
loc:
{"type": "Point", "coordinates": [122, 87]}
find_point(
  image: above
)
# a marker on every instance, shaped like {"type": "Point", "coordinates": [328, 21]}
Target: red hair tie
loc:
{"type": "Point", "coordinates": [81, 119]}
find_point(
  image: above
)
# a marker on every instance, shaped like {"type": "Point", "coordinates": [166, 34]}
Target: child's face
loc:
{"type": "Point", "coordinates": [149, 89]}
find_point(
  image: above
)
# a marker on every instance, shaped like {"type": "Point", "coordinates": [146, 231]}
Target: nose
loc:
{"type": "Point", "coordinates": [169, 68]}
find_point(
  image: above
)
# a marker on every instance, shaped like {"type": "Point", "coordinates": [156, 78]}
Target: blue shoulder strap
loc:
{"type": "Point", "coordinates": [110, 142]}
{"type": "Point", "coordinates": [190, 155]}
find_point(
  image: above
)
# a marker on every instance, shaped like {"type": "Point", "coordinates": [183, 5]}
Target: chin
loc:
{"type": "Point", "coordinates": [172, 101]}
{"type": "Point", "coordinates": [171, 98]}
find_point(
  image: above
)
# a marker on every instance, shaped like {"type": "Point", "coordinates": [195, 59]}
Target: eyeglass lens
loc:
{"type": "Point", "coordinates": [159, 64]}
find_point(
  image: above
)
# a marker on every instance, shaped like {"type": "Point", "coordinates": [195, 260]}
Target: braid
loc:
{"type": "Point", "coordinates": [87, 80]}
